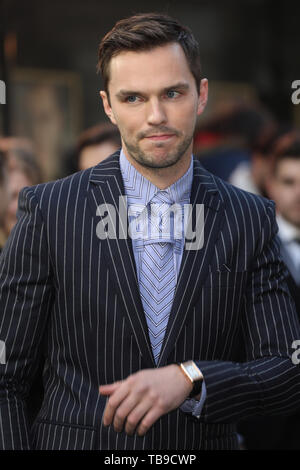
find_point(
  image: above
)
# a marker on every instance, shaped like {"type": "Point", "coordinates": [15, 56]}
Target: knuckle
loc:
{"type": "Point", "coordinates": [144, 426]}
{"type": "Point", "coordinates": [112, 403]}
{"type": "Point", "coordinates": [141, 389]}
{"type": "Point", "coordinates": [161, 404]}
{"type": "Point", "coordinates": [153, 395]}
{"type": "Point", "coordinates": [131, 421]}
{"type": "Point", "coordinates": [131, 379]}
{"type": "Point", "coordinates": [120, 415]}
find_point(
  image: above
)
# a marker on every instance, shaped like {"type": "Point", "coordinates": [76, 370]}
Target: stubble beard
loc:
{"type": "Point", "coordinates": [292, 218]}
{"type": "Point", "coordinates": [148, 161]}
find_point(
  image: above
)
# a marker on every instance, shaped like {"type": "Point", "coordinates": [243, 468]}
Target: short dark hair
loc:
{"type": "Point", "coordinates": [286, 147]}
{"type": "Point", "coordinates": [104, 132]}
{"type": "Point", "coordinates": [143, 32]}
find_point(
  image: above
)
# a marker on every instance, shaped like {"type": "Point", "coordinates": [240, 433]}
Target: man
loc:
{"type": "Point", "coordinates": [116, 315]}
{"type": "Point", "coordinates": [284, 188]}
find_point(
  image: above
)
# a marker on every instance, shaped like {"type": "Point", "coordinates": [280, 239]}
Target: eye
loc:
{"type": "Point", "coordinates": [131, 99]}
{"type": "Point", "coordinates": [288, 181]}
{"type": "Point", "coordinates": [172, 94]}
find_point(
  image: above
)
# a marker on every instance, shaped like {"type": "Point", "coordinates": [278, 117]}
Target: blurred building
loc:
{"type": "Point", "coordinates": [48, 56]}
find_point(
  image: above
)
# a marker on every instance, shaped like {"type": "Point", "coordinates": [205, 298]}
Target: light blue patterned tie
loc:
{"type": "Point", "coordinates": [157, 274]}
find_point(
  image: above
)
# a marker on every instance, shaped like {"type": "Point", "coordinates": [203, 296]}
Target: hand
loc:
{"type": "Point", "coordinates": [144, 397]}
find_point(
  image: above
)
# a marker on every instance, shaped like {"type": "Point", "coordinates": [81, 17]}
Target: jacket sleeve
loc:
{"type": "Point", "coordinates": [268, 382]}
{"type": "Point", "coordinates": [25, 301]}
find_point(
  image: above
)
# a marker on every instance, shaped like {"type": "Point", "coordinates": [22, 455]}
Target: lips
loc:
{"type": "Point", "coordinates": [160, 137]}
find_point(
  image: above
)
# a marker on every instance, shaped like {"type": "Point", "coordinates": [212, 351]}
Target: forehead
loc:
{"type": "Point", "coordinates": [156, 68]}
{"type": "Point", "coordinates": [289, 166]}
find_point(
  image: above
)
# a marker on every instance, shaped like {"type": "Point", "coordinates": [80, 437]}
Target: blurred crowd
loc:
{"type": "Point", "coordinates": [244, 145]}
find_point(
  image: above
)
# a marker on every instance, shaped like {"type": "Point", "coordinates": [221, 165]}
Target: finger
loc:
{"type": "Point", "coordinates": [124, 410]}
{"type": "Point", "coordinates": [109, 388]}
{"type": "Point", "coordinates": [149, 419]}
{"type": "Point", "coordinates": [137, 415]}
{"type": "Point", "coordinates": [114, 401]}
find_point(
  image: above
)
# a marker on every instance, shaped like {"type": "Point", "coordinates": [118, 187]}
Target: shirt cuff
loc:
{"type": "Point", "coordinates": [195, 406]}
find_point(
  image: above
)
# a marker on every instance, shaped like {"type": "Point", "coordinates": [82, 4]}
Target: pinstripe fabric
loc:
{"type": "Point", "coordinates": [61, 285]}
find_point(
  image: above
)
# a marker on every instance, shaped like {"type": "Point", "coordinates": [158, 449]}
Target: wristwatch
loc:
{"type": "Point", "coordinates": [195, 376]}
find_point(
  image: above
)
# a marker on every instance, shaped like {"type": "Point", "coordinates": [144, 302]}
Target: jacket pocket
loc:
{"type": "Point", "coordinates": [225, 279]}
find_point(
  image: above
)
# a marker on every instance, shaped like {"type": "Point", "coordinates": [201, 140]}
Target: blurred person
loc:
{"type": "Point", "coordinates": [283, 186]}
{"type": "Point", "coordinates": [93, 146]}
{"type": "Point", "coordinates": [238, 131]}
{"type": "Point", "coordinates": [8, 203]}
{"type": "Point", "coordinates": [22, 170]}
{"type": "Point", "coordinates": [217, 145]}
{"type": "Point", "coordinates": [8, 144]}
{"type": "Point", "coordinates": [3, 196]}
{"type": "Point", "coordinates": [96, 143]}
{"type": "Point", "coordinates": [253, 175]}
{"type": "Point", "coordinates": [141, 334]}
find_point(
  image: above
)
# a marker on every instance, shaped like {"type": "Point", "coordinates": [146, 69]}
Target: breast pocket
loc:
{"type": "Point", "coordinates": [226, 279]}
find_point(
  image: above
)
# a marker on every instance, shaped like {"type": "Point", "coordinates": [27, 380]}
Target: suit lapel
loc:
{"type": "Point", "coordinates": [195, 263]}
{"type": "Point", "coordinates": [106, 185]}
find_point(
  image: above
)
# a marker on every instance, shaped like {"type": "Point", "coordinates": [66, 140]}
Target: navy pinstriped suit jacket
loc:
{"type": "Point", "coordinates": [76, 296]}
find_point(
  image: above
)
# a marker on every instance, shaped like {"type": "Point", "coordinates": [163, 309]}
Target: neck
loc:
{"type": "Point", "coordinates": [162, 178]}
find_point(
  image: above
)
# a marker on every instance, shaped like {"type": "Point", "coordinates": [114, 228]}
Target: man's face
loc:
{"type": "Point", "coordinates": [285, 190]}
{"type": "Point", "coordinates": [154, 102]}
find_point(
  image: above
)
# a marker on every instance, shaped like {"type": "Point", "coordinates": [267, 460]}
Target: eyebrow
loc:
{"type": "Point", "coordinates": [177, 86]}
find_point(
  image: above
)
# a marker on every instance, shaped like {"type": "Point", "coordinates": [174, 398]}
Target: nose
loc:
{"type": "Point", "coordinates": [156, 113]}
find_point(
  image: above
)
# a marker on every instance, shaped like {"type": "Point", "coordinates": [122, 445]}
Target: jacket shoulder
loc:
{"type": "Point", "coordinates": [236, 198]}
{"type": "Point", "coordinates": [56, 189]}
{"type": "Point", "coordinates": [73, 184]}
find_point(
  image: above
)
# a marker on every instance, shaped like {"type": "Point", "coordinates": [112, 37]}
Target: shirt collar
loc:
{"type": "Point", "coordinates": [139, 190]}
{"type": "Point", "coordinates": [287, 231]}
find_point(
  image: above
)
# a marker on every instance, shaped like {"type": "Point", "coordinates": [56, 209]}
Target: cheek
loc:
{"type": "Point", "coordinates": [284, 198]}
{"type": "Point", "coordinates": [185, 115]}
{"type": "Point", "coordinates": [128, 124]}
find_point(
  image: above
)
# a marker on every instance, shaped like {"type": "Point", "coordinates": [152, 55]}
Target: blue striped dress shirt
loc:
{"type": "Point", "coordinates": [139, 192]}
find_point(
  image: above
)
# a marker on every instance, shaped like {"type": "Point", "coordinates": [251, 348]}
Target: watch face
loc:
{"type": "Point", "coordinates": [192, 371]}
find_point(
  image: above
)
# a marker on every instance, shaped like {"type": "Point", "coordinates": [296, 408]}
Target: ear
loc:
{"type": "Point", "coordinates": [107, 107]}
{"type": "Point", "coordinates": [271, 188]}
{"type": "Point", "coordinates": [203, 94]}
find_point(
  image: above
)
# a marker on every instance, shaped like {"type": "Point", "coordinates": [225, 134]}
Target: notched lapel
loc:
{"type": "Point", "coordinates": [195, 263]}
{"type": "Point", "coordinates": [106, 186]}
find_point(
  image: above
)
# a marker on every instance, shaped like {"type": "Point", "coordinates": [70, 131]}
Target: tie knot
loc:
{"type": "Point", "coordinates": [161, 197]}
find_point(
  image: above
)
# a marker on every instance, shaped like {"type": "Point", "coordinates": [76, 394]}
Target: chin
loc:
{"type": "Point", "coordinates": [163, 162]}
{"type": "Point", "coordinates": [294, 220]}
